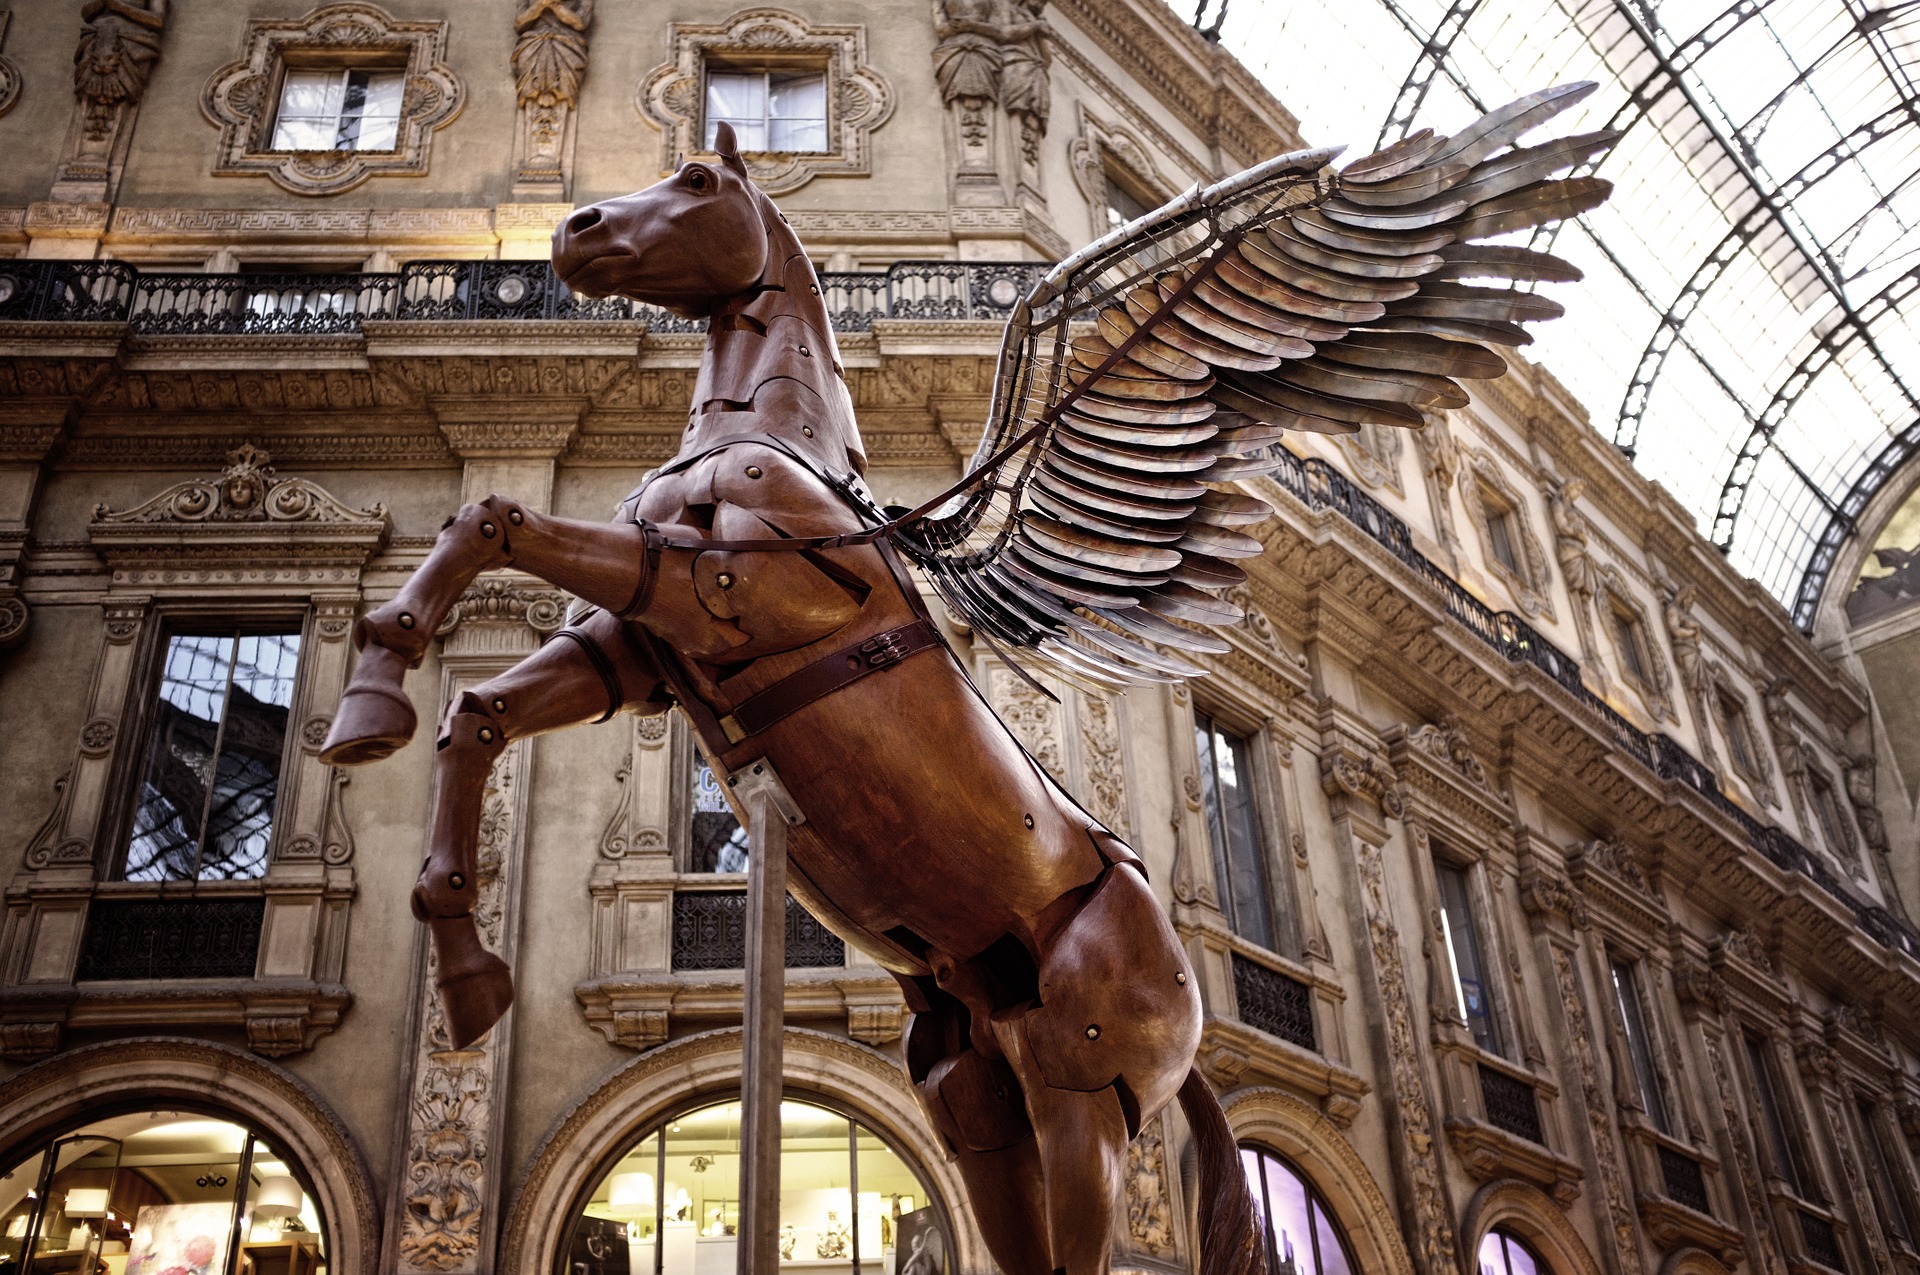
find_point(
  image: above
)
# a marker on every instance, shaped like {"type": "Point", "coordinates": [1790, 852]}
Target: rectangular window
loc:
{"type": "Point", "coordinates": [339, 109]}
{"type": "Point", "coordinates": [1887, 1192]}
{"type": "Point", "coordinates": [1626, 994]}
{"type": "Point", "coordinates": [1233, 824]}
{"type": "Point", "coordinates": [212, 772]}
{"type": "Point", "coordinates": [719, 843]}
{"type": "Point", "coordinates": [1767, 1094]}
{"type": "Point", "coordinates": [1827, 810]}
{"type": "Point", "coordinates": [1122, 206]}
{"type": "Point", "coordinates": [1627, 638]}
{"type": "Point", "coordinates": [1500, 535]}
{"type": "Point", "coordinates": [1733, 724]}
{"type": "Point", "coordinates": [769, 110]}
{"type": "Point", "coordinates": [1463, 953]}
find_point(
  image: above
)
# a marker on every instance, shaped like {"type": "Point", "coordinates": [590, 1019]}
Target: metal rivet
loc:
{"type": "Point", "coordinates": [814, 288]}
{"type": "Point", "coordinates": [1181, 978]}
{"type": "Point", "coordinates": [807, 430]}
{"type": "Point", "coordinates": [724, 580]}
{"type": "Point", "coordinates": [753, 471]}
{"type": "Point", "coordinates": [486, 734]}
{"type": "Point", "coordinates": [1029, 821]}
{"type": "Point", "coordinates": [406, 620]}
{"type": "Point", "coordinates": [515, 517]}
{"type": "Point", "coordinates": [499, 705]}
{"type": "Point", "coordinates": [804, 351]}
{"type": "Point", "coordinates": [488, 530]}
{"type": "Point", "coordinates": [457, 881]}
{"type": "Point", "coordinates": [1093, 1031]}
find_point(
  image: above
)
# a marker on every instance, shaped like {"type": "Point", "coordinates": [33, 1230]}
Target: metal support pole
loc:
{"type": "Point", "coordinates": [769, 811]}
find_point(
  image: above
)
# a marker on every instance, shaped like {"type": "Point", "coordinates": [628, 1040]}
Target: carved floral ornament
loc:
{"type": "Point", "coordinates": [859, 100]}
{"type": "Point", "coordinates": [241, 98]}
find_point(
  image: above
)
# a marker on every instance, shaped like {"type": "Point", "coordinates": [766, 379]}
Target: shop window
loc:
{"type": "Point", "coordinates": [1633, 1024]}
{"type": "Point", "coordinates": [716, 840]}
{"type": "Point", "coordinates": [1465, 954]}
{"type": "Point", "coordinates": [159, 1191]}
{"type": "Point", "coordinates": [776, 111]}
{"type": "Point", "coordinates": [848, 1201]}
{"type": "Point", "coordinates": [1782, 1154]}
{"type": "Point", "coordinates": [1232, 807]}
{"type": "Point", "coordinates": [215, 748]}
{"type": "Point", "coordinates": [1504, 1253]}
{"type": "Point", "coordinates": [339, 109]}
{"type": "Point", "coordinates": [1302, 1236]}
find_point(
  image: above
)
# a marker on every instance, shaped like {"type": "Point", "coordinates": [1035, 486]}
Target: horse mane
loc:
{"type": "Point", "coordinates": [772, 366]}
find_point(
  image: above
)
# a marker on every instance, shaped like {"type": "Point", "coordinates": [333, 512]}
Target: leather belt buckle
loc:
{"type": "Point", "coordinates": [883, 649]}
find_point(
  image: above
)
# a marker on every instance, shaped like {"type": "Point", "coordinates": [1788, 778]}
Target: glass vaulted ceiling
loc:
{"type": "Point", "coordinates": [1747, 330]}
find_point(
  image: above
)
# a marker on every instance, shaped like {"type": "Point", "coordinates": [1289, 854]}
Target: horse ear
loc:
{"type": "Point", "coordinates": [728, 147]}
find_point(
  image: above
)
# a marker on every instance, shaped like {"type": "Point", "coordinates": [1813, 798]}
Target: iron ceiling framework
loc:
{"type": "Point", "coordinates": [1761, 252]}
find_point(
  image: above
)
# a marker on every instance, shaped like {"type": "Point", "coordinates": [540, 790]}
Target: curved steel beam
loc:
{"type": "Point", "coordinates": [1826, 548]}
{"type": "Point", "coordinates": [1435, 58]}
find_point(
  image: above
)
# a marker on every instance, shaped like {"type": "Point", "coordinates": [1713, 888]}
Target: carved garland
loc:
{"type": "Point", "coordinates": [240, 97]}
{"type": "Point", "coordinates": [859, 99]}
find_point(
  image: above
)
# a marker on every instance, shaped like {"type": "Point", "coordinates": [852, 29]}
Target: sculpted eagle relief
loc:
{"type": "Point", "coordinates": [753, 584]}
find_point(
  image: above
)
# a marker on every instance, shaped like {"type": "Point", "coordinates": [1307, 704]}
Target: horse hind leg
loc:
{"type": "Point", "coordinates": [605, 563]}
{"type": "Point", "coordinates": [589, 671]}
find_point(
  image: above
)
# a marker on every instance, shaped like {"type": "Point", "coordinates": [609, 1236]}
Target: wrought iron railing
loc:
{"type": "Point", "coordinates": [1684, 1182]}
{"type": "Point", "coordinates": [1511, 1105]}
{"type": "Point", "coordinates": [710, 933]}
{"type": "Point", "coordinates": [1321, 486]}
{"type": "Point", "coordinates": [1273, 1002]}
{"type": "Point", "coordinates": [1823, 1246]}
{"type": "Point", "coordinates": [321, 304]}
{"type": "Point", "coordinates": [171, 938]}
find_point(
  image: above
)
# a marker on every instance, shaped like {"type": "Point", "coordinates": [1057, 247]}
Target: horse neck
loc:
{"type": "Point", "coordinates": [772, 366]}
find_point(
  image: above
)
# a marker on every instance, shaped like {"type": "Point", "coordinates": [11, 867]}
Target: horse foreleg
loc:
{"type": "Point", "coordinates": [604, 563]}
{"type": "Point", "coordinates": [587, 672]}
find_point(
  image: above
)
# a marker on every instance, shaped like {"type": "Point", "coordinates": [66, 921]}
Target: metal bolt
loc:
{"type": "Point", "coordinates": [486, 734]}
{"type": "Point", "coordinates": [814, 288]}
{"type": "Point", "coordinates": [753, 471]}
{"type": "Point", "coordinates": [724, 580]}
{"type": "Point", "coordinates": [1181, 978]}
{"type": "Point", "coordinates": [499, 705]}
{"type": "Point", "coordinates": [488, 530]}
{"type": "Point", "coordinates": [406, 620]}
{"type": "Point", "coordinates": [1093, 1031]}
{"type": "Point", "coordinates": [804, 352]}
{"type": "Point", "coordinates": [457, 881]}
{"type": "Point", "coordinates": [807, 430]}
{"type": "Point", "coordinates": [515, 517]}
{"type": "Point", "coordinates": [1029, 821]}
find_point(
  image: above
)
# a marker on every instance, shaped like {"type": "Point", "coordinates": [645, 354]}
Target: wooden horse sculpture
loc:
{"type": "Point", "coordinates": [752, 583]}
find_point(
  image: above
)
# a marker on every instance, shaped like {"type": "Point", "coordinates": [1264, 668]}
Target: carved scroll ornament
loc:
{"type": "Point", "coordinates": [246, 491]}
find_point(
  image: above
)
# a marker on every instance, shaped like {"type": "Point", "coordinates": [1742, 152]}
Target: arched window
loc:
{"type": "Point", "coordinates": [1302, 1237]}
{"type": "Point", "coordinates": [1504, 1253]}
{"type": "Point", "coordinates": [848, 1201]}
{"type": "Point", "coordinates": [158, 1191]}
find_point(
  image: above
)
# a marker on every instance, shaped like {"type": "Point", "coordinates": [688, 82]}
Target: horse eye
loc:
{"type": "Point", "coordinates": [697, 178]}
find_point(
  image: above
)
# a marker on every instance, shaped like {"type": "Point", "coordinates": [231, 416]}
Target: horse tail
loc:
{"type": "Point", "coordinates": [1232, 1240]}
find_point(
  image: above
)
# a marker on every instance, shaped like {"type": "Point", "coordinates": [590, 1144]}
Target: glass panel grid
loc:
{"type": "Point", "coordinates": [1302, 1235]}
{"type": "Point", "coordinates": [339, 109]}
{"type": "Point", "coordinates": [769, 110]}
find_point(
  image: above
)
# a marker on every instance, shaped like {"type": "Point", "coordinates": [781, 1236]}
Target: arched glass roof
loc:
{"type": "Point", "coordinates": [1747, 330]}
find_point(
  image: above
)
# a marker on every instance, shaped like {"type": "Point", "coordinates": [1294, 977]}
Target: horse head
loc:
{"type": "Point", "coordinates": [687, 243]}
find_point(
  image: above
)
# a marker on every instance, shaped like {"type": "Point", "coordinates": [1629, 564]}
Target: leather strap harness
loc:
{"type": "Point", "coordinates": [826, 675]}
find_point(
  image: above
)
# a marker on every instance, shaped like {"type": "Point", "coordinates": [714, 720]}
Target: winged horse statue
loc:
{"type": "Point", "coordinates": [753, 584]}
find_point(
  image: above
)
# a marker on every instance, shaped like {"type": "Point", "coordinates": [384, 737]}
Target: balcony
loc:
{"type": "Point", "coordinates": [174, 304]}
{"type": "Point", "coordinates": [710, 933]}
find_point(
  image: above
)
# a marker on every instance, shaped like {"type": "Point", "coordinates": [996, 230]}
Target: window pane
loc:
{"type": "Point", "coordinates": [304, 134]}
{"type": "Point", "coordinates": [278, 1212]}
{"type": "Point", "coordinates": [798, 136]}
{"type": "Point", "coordinates": [719, 842]}
{"type": "Point", "coordinates": [1302, 1236]}
{"type": "Point", "coordinates": [180, 760]}
{"type": "Point", "coordinates": [373, 99]}
{"type": "Point", "coordinates": [797, 97]}
{"type": "Point", "coordinates": [1768, 1097]}
{"type": "Point", "coordinates": [240, 817]}
{"type": "Point", "coordinates": [889, 1194]}
{"type": "Point", "coordinates": [311, 93]}
{"type": "Point", "coordinates": [1333, 1256]}
{"type": "Point", "coordinates": [19, 1196]}
{"type": "Point", "coordinates": [1627, 997]}
{"type": "Point", "coordinates": [616, 1231]}
{"type": "Point", "coordinates": [1463, 945]}
{"type": "Point", "coordinates": [1287, 1210]}
{"type": "Point", "coordinates": [1233, 824]}
{"type": "Point", "coordinates": [1500, 533]}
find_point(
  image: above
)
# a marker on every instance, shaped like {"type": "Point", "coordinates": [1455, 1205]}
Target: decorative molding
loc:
{"type": "Point", "coordinates": [1600, 1119]}
{"type": "Point", "coordinates": [1614, 857]}
{"type": "Point", "coordinates": [1373, 454]}
{"type": "Point", "coordinates": [1446, 742]}
{"type": "Point", "coordinates": [248, 490]}
{"type": "Point", "coordinates": [1347, 772]}
{"type": "Point", "coordinates": [1529, 586]}
{"type": "Point", "coordinates": [10, 80]}
{"type": "Point", "coordinates": [1748, 947]}
{"type": "Point", "coordinates": [859, 98]}
{"type": "Point", "coordinates": [238, 98]}
{"type": "Point", "coordinates": [549, 63]}
{"type": "Point", "coordinates": [119, 43]}
{"type": "Point", "coordinates": [1759, 1210]}
{"type": "Point", "coordinates": [1098, 142]}
{"type": "Point", "coordinates": [510, 601]}
{"type": "Point", "coordinates": [1655, 687]}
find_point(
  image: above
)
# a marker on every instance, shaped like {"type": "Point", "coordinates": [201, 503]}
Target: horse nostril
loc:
{"type": "Point", "coordinates": [584, 220]}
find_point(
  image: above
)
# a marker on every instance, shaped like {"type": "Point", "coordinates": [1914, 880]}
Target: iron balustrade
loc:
{"type": "Point", "coordinates": [1823, 1246]}
{"type": "Point", "coordinates": [171, 938]}
{"type": "Point", "coordinates": [1684, 1183]}
{"type": "Point", "coordinates": [1273, 1002]}
{"type": "Point", "coordinates": [1511, 1105]}
{"type": "Point", "coordinates": [180, 304]}
{"type": "Point", "coordinates": [710, 933]}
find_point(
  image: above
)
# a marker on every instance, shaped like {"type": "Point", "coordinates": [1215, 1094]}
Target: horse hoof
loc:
{"type": "Point", "coordinates": [476, 999]}
{"type": "Point", "coordinates": [375, 719]}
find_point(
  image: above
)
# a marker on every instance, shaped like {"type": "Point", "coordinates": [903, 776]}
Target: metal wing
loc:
{"type": "Point", "coordinates": [1165, 360]}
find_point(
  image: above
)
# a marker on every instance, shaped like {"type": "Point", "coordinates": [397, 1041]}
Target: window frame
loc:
{"type": "Point", "coordinates": [1643, 1058]}
{"type": "Point", "coordinates": [166, 622]}
{"type": "Point", "coordinates": [1269, 824]}
{"type": "Point", "coordinates": [1823, 794]}
{"type": "Point", "coordinates": [1502, 533]}
{"type": "Point", "coordinates": [1316, 1200]}
{"type": "Point", "coordinates": [766, 70]}
{"type": "Point", "coordinates": [1471, 873]}
{"type": "Point", "coordinates": [1785, 1158]}
{"type": "Point", "coordinates": [1898, 1217]}
{"type": "Point", "coordinates": [1736, 725]}
{"type": "Point", "coordinates": [300, 61]}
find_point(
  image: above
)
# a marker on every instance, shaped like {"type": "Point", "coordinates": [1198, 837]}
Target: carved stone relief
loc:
{"type": "Point", "coordinates": [1860, 792]}
{"type": "Point", "coordinates": [1440, 465]}
{"type": "Point", "coordinates": [1684, 635]}
{"type": "Point", "coordinates": [9, 69]}
{"type": "Point", "coordinates": [239, 100]}
{"type": "Point", "coordinates": [1759, 1227]}
{"type": "Point", "coordinates": [1787, 746]}
{"type": "Point", "coordinates": [1599, 1118]}
{"type": "Point", "coordinates": [119, 44]}
{"type": "Point", "coordinates": [1841, 1130]}
{"type": "Point", "coordinates": [1575, 555]}
{"type": "Point", "coordinates": [549, 64]}
{"type": "Point", "coordinates": [1374, 453]}
{"type": "Point", "coordinates": [1100, 744]}
{"type": "Point", "coordinates": [1446, 742]}
{"type": "Point", "coordinates": [1150, 1225]}
{"type": "Point", "coordinates": [859, 98]}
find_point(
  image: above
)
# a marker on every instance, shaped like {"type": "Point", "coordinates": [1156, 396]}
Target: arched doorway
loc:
{"type": "Point", "coordinates": [158, 1188]}
{"type": "Point", "coordinates": [849, 1201]}
{"type": "Point", "coordinates": [1301, 1232]}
